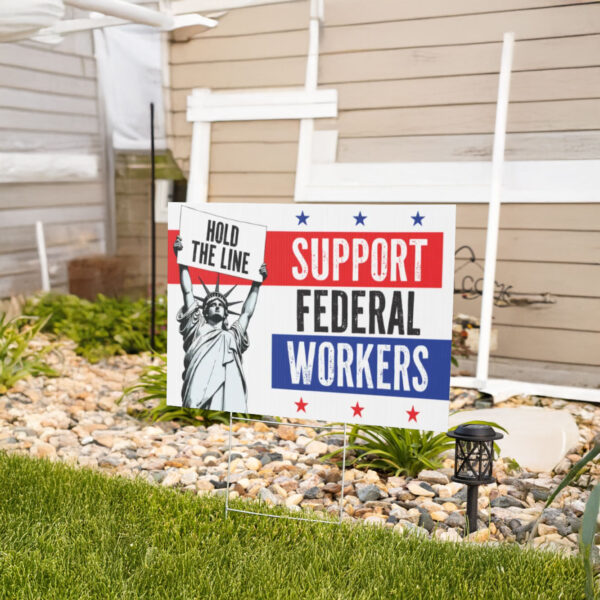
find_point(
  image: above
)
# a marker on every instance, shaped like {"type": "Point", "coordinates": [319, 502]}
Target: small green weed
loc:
{"type": "Point", "coordinates": [17, 359]}
{"type": "Point", "coordinates": [103, 328]}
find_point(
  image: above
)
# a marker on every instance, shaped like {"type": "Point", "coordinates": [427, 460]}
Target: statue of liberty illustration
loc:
{"type": "Point", "coordinates": [213, 376]}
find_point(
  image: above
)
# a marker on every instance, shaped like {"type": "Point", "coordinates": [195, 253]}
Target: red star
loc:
{"type": "Point", "coordinates": [357, 410]}
{"type": "Point", "coordinates": [412, 414]}
{"type": "Point", "coordinates": [301, 405]}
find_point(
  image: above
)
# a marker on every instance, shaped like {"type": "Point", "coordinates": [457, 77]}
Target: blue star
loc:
{"type": "Point", "coordinates": [302, 218]}
{"type": "Point", "coordinates": [418, 219]}
{"type": "Point", "coordinates": [360, 218]}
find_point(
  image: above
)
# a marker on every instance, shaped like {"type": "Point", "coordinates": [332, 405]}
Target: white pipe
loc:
{"type": "Point", "coordinates": [197, 189]}
{"type": "Point", "coordinates": [311, 80]}
{"type": "Point", "coordinates": [125, 10]}
{"type": "Point", "coordinates": [41, 246]}
{"type": "Point", "coordinates": [491, 245]}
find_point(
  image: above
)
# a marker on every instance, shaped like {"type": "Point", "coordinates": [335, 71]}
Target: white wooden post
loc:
{"type": "Point", "coordinates": [305, 140]}
{"type": "Point", "coordinates": [41, 246]}
{"type": "Point", "coordinates": [197, 189]}
{"type": "Point", "coordinates": [491, 245]}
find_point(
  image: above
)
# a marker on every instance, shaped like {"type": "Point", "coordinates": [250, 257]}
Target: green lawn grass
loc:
{"type": "Point", "coordinates": [70, 533]}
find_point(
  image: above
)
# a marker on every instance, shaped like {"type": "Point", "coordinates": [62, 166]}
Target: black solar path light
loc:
{"type": "Point", "coordinates": [473, 458]}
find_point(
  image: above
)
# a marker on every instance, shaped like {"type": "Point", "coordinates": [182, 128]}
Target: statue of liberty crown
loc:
{"type": "Point", "coordinates": [216, 295]}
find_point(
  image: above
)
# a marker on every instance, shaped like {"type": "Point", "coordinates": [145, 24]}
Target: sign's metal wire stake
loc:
{"type": "Point", "coordinates": [343, 475]}
{"type": "Point", "coordinates": [290, 517]}
{"type": "Point", "coordinates": [229, 464]}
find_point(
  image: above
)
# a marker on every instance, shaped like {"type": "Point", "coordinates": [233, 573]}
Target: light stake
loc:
{"type": "Point", "coordinates": [473, 459]}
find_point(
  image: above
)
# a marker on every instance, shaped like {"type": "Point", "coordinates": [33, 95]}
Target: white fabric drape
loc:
{"type": "Point", "coordinates": [20, 19]}
{"type": "Point", "coordinates": [129, 67]}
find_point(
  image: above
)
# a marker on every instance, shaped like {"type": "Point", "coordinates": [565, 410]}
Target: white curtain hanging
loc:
{"type": "Point", "coordinates": [20, 19]}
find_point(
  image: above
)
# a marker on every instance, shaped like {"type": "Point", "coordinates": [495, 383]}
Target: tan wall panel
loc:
{"type": "Point", "coordinates": [179, 99]}
{"type": "Point", "coordinates": [180, 146]}
{"type": "Point", "coordinates": [271, 72]}
{"type": "Point", "coordinates": [251, 184]}
{"type": "Point", "coordinates": [131, 209]}
{"type": "Point", "coordinates": [572, 145]}
{"type": "Point", "coordinates": [558, 84]}
{"type": "Point", "coordinates": [551, 345]}
{"type": "Point", "coordinates": [254, 157]}
{"type": "Point", "coordinates": [242, 131]}
{"type": "Point", "coordinates": [584, 217]}
{"type": "Point", "coordinates": [346, 12]}
{"type": "Point", "coordinates": [443, 61]}
{"type": "Point", "coordinates": [261, 19]}
{"type": "Point", "coordinates": [567, 115]}
{"type": "Point", "coordinates": [141, 230]}
{"type": "Point", "coordinates": [244, 47]}
{"type": "Point", "coordinates": [531, 245]}
{"type": "Point", "coordinates": [464, 29]}
{"type": "Point", "coordinates": [556, 316]}
{"type": "Point", "coordinates": [565, 279]}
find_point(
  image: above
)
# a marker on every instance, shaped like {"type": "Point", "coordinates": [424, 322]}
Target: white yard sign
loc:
{"type": "Point", "coordinates": [338, 313]}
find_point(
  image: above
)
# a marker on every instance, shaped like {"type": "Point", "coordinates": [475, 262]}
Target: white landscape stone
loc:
{"type": "Point", "coordinates": [538, 438]}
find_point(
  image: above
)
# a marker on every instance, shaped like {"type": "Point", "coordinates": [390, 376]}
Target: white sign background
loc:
{"type": "Point", "coordinates": [276, 315]}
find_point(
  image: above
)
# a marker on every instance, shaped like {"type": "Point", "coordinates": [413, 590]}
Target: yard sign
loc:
{"type": "Point", "coordinates": [337, 313]}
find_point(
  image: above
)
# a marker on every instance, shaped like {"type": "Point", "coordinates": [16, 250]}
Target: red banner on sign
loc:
{"type": "Point", "coordinates": [341, 259]}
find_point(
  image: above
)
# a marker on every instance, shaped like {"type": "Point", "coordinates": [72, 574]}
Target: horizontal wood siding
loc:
{"type": "Point", "coordinates": [133, 218]}
{"type": "Point", "coordinates": [418, 82]}
{"type": "Point", "coordinates": [48, 104]}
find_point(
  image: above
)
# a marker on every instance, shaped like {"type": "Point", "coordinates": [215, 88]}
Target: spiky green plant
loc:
{"type": "Point", "coordinates": [17, 358]}
{"type": "Point", "coordinates": [397, 451]}
{"type": "Point", "coordinates": [394, 450]}
{"type": "Point", "coordinates": [590, 515]}
{"type": "Point", "coordinates": [153, 386]}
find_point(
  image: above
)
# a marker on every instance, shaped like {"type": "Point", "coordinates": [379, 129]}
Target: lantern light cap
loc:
{"type": "Point", "coordinates": [475, 433]}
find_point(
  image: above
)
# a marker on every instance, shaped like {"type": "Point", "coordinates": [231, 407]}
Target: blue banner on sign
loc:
{"type": "Point", "coordinates": [412, 368]}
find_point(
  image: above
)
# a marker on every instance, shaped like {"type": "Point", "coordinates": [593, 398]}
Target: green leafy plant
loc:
{"type": "Point", "coordinates": [394, 450]}
{"type": "Point", "coordinates": [590, 515]}
{"type": "Point", "coordinates": [17, 358]}
{"type": "Point", "coordinates": [397, 451]}
{"type": "Point", "coordinates": [105, 327]}
{"type": "Point", "coordinates": [153, 386]}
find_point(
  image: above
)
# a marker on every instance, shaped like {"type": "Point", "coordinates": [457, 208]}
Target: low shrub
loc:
{"type": "Point", "coordinates": [103, 328]}
{"type": "Point", "coordinates": [18, 359]}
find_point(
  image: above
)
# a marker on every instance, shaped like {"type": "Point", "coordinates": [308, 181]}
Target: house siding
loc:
{"type": "Point", "coordinates": [418, 82]}
{"type": "Point", "coordinates": [49, 104]}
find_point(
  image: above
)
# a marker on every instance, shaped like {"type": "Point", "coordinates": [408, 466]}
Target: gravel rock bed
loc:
{"type": "Point", "coordinates": [75, 418]}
